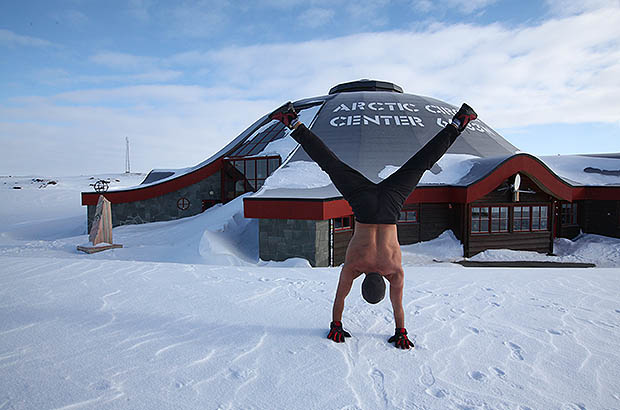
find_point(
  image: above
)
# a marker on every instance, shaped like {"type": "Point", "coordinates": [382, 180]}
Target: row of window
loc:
{"type": "Point", "coordinates": [496, 219]}
{"type": "Point", "coordinates": [493, 219]}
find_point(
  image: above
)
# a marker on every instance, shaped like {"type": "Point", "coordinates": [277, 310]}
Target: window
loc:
{"type": "Point", "coordinates": [539, 218]}
{"type": "Point", "coordinates": [499, 219]}
{"type": "Point", "coordinates": [259, 141]}
{"type": "Point", "coordinates": [343, 224]}
{"type": "Point", "coordinates": [521, 219]}
{"type": "Point", "coordinates": [409, 217]}
{"type": "Point", "coordinates": [247, 174]}
{"type": "Point", "coordinates": [480, 219]}
{"type": "Point", "coordinates": [569, 214]}
{"type": "Point", "coordinates": [489, 219]}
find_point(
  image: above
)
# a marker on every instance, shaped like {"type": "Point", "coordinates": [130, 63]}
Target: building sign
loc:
{"type": "Point", "coordinates": [386, 113]}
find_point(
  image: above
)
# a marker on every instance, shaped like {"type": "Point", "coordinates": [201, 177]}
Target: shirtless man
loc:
{"type": "Point", "coordinates": [374, 249]}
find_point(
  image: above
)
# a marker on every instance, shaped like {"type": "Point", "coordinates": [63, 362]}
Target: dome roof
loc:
{"type": "Point", "coordinates": [373, 124]}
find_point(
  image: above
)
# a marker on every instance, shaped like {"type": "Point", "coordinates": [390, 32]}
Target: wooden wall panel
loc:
{"type": "Point", "coordinates": [522, 241]}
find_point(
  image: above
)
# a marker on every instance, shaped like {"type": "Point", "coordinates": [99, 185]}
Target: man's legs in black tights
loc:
{"type": "Point", "coordinates": [406, 178]}
{"type": "Point", "coordinates": [346, 179]}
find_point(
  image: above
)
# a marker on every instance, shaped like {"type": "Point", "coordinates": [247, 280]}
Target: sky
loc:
{"type": "Point", "coordinates": [181, 79]}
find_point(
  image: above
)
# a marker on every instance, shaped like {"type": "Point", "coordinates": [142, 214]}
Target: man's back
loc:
{"type": "Point", "coordinates": [374, 248]}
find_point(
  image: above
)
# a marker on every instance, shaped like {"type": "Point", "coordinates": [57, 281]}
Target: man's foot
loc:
{"type": "Point", "coordinates": [286, 115]}
{"type": "Point", "coordinates": [464, 116]}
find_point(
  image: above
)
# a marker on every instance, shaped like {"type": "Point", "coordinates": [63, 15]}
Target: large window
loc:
{"type": "Point", "coordinates": [569, 214]}
{"type": "Point", "coordinates": [539, 218]}
{"type": "Point", "coordinates": [501, 218]}
{"type": "Point", "coordinates": [247, 174]}
{"type": "Point", "coordinates": [480, 219]}
{"type": "Point", "coordinates": [488, 219]}
{"type": "Point", "coordinates": [521, 219]}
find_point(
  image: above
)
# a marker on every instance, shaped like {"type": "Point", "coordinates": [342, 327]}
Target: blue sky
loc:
{"type": "Point", "coordinates": [182, 78]}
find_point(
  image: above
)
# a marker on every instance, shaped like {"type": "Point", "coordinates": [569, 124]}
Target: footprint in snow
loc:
{"type": "Point", "coordinates": [427, 377]}
{"type": "Point", "coordinates": [554, 332]}
{"type": "Point", "coordinates": [437, 393]}
{"type": "Point", "coordinates": [499, 372]}
{"type": "Point", "coordinates": [515, 350]}
{"type": "Point", "coordinates": [477, 376]}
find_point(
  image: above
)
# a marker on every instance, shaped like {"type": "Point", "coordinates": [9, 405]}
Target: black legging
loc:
{"type": "Point", "coordinates": [375, 203]}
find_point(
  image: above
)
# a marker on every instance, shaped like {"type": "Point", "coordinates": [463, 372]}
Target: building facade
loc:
{"type": "Point", "coordinates": [484, 190]}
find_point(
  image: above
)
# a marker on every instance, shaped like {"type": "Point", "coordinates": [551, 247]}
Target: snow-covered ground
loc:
{"type": "Point", "coordinates": [185, 316]}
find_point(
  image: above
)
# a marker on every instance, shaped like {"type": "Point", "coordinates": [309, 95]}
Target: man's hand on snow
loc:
{"type": "Point", "coordinates": [400, 339]}
{"type": "Point", "coordinates": [337, 333]}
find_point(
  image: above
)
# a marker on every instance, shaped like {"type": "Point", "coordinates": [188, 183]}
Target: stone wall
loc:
{"type": "Point", "coordinates": [280, 239]}
{"type": "Point", "coordinates": [164, 207]}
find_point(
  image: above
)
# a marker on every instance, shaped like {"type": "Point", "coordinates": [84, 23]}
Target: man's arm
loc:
{"type": "Point", "coordinates": [396, 297]}
{"type": "Point", "coordinates": [347, 275]}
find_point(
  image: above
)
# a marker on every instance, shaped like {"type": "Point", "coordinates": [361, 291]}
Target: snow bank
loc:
{"type": "Point", "coordinates": [445, 248]}
{"type": "Point", "coordinates": [602, 251]}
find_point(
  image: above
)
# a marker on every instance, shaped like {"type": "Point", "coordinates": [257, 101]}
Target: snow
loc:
{"type": "Point", "coordinates": [451, 167]}
{"type": "Point", "coordinates": [298, 175]}
{"type": "Point", "coordinates": [185, 316]}
{"type": "Point", "coordinates": [571, 168]}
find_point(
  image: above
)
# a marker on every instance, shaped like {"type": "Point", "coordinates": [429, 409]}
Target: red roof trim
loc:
{"type": "Point", "coordinates": [522, 163]}
{"type": "Point", "coordinates": [525, 164]}
{"type": "Point", "coordinates": [141, 193]}
{"type": "Point", "coordinates": [295, 208]}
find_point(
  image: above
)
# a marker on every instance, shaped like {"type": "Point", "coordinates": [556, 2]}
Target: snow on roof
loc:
{"type": "Point", "coordinates": [302, 179]}
{"type": "Point", "coordinates": [586, 170]}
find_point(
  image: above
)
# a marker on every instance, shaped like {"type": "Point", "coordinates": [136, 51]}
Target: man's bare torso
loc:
{"type": "Point", "coordinates": [374, 248]}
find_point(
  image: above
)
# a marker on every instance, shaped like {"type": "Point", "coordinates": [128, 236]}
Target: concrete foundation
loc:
{"type": "Point", "coordinates": [281, 239]}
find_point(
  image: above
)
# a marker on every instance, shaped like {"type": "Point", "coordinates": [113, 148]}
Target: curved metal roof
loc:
{"type": "Point", "coordinates": [372, 129]}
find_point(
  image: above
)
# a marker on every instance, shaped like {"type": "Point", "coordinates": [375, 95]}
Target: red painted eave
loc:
{"type": "Point", "coordinates": [141, 193]}
{"type": "Point", "coordinates": [306, 209]}
{"type": "Point", "coordinates": [523, 164]}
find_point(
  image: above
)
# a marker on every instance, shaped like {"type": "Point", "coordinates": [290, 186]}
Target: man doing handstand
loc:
{"type": "Point", "coordinates": [374, 249]}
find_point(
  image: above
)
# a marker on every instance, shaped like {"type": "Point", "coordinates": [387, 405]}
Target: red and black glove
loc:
{"type": "Point", "coordinates": [337, 333]}
{"type": "Point", "coordinates": [400, 339]}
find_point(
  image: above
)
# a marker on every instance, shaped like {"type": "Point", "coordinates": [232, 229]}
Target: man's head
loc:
{"type": "Point", "coordinates": [373, 288]}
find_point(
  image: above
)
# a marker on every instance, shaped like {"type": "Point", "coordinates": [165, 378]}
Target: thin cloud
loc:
{"type": "Point", "coordinates": [123, 61]}
{"type": "Point", "coordinates": [316, 17]}
{"type": "Point", "coordinates": [462, 7]}
{"type": "Point", "coordinates": [71, 18]}
{"type": "Point", "coordinates": [571, 7]}
{"type": "Point", "coordinates": [11, 39]}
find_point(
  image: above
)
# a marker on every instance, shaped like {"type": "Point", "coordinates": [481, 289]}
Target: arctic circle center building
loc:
{"type": "Point", "coordinates": [484, 189]}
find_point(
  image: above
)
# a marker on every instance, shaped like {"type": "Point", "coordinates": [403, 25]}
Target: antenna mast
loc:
{"type": "Point", "coordinates": [127, 165]}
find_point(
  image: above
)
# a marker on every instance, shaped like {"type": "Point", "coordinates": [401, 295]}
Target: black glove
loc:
{"type": "Point", "coordinates": [400, 339]}
{"type": "Point", "coordinates": [337, 333]}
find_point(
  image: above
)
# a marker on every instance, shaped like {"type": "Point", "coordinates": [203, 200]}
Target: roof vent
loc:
{"type": "Point", "coordinates": [365, 85]}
